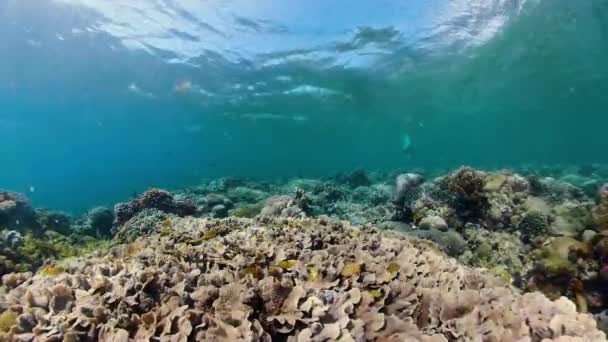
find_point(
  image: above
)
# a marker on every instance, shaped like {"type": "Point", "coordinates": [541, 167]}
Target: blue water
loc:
{"type": "Point", "coordinates": [103, 98]}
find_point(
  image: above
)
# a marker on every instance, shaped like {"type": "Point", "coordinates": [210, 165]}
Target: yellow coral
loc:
{"type": "Point", "coordinates": [313, 274]}
{"type": "Point", "coordinates": [493, 182]}
{"type": "Point", "coordinates": [502, 273]}
{"type": "Point", "coordinates": [287, 264]}
{"type": "Point", "coordinates": [52, 270]}
{"type": "Point", "coordinates": [375, 293]}
{"type": "Point", "coordinates": [393, 268]}
{"type": "Point", "coordinates": [8, 319]}
{"type": "Point", "coordinates": [351, 269]}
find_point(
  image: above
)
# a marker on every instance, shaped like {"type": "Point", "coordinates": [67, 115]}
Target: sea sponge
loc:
{"type": "Point", "coordinates": [286, 279]}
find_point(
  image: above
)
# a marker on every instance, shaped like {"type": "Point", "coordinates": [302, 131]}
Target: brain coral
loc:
{"type": "Point", "coordinates": [281, 279]}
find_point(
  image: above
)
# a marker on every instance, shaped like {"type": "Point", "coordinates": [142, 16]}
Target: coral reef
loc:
{"type": "Point", "coordinates": [279, 279]}
{"type": "Point", "coordinates": [298, 205]}
{"type": "Point", "coordinates": [97, 222]}
{"type": "Point", "coordinates": [54, 220]}
{"type": "Point", "coordinates": [600, 212]}
{"type": "Point", "coordinates": [152, 199]}
{"type": "Point", "coordinates": [16, 213]}
{"type": "Point", "coordinates": [145, 222]}
{"type": "Point", "coordinates": [542, 229]}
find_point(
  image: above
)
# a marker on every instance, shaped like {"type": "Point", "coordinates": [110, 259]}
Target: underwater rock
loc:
{"type": "Point", "coordinates": [433, 222]}
{"type": "Point", "coordinates": [99, 222]}
{"type": "Point", "coordinates": [213, 199]}
{"type": "Point", "coordinates": [298, 205]}
{"type": "Point", "coordinates": [282, 279]}
{"type": "Point", "coordinates": [243, 194]}
{"type": "Point", "coordinates": [248, 210]}
{"type": "Point", "coordinates": [405, 194]}
{"type": "Point", "coordinates": [600, 212]}
{"type": "Point", "coordinates": [219, 210]}
{"type": "Point", "coordinates": [405, 184]}
{"type": "Point", "coordinates": [54, 220]}
{"type": "Point", "coordinates": [354, 179]}
{"type": "Point", "coordinates": [587, 184]}
{"type": "Point", "coordinates": [570, 218]}
{"type": "Point", "coordinates": [16, 213]}
{"type": "Point", "coordinates": [449, 241]}
{"type": "Point", "coordinates": [10, 239]}
{"type": "Point", "coordinates": [152, 199]}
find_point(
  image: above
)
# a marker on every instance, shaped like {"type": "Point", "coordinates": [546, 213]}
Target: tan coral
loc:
{"type": "Point", "coordinates": [230, 287]}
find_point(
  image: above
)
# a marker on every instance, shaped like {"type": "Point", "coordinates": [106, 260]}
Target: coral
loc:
{"type": "Point", "coordinates": [570, 218]}
{"type": "Point", "coordinates": [354, 179]}
{"type": "Point", "coordinates": [246, 195]}
{"type": "Point", "coordinates": [10, 240]}
{"type": "Point", "coordinates": [405, 184]}
{"type": "Point", "coordinates": [145, 222]}
{"type": "Point", "coordinates": [99, 222]}
{"type": "Point", "coordinates": [8, 319]}
{"type": "Point", "coordinates": [600, 212]}
{"type": "Point", "coordinates": [16, 213]}
{"type": "Point", "coordinates": [467, 186]}
{"type": "Point", "coordinates": [283, 279]}
{"type": "Point", "coordinates": [54, 220]}
{"type": "Point", "coordinates": [489, 249]}
{"type": "Point", "coordinates": [275, 205]}
{"type": "Point", "coordinates": [533, 225]}
{"type": "Point", "coordinates": [494, 181]}
{"type": "Point", "coordinates": [433, 222]}
{"type": "Point", "coordinates": [152, 199]}
{"type": "Point", "coordinates": [248, 211]}
{"type": "Point", "coordinates": [406, 192]}
{"type": "Point", "coordinates": [298, 205]}
{"type": "Point", "coordinates": [213, 199]}
{"type": "Point", "coordinates": [450, 241]}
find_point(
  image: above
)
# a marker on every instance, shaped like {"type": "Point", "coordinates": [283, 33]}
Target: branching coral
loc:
{"type": "Point", "coordinates": [467, 186]}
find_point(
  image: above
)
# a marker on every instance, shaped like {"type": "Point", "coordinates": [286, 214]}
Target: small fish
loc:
{"type": "Point", "coordinates": [32, 188]}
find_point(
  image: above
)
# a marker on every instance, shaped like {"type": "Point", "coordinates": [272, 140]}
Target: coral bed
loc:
{"type": "Point", "coordinates": [281, 279]}
{"type": "Point", "coordinates": [294, 278]}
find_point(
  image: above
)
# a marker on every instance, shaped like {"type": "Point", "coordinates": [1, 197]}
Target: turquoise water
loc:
{"type": "Point", "coordinates": [100, 99]}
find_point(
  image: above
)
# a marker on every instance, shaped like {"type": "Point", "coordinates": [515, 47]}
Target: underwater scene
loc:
{"type": "Point", "coordinates": [320, 170]}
